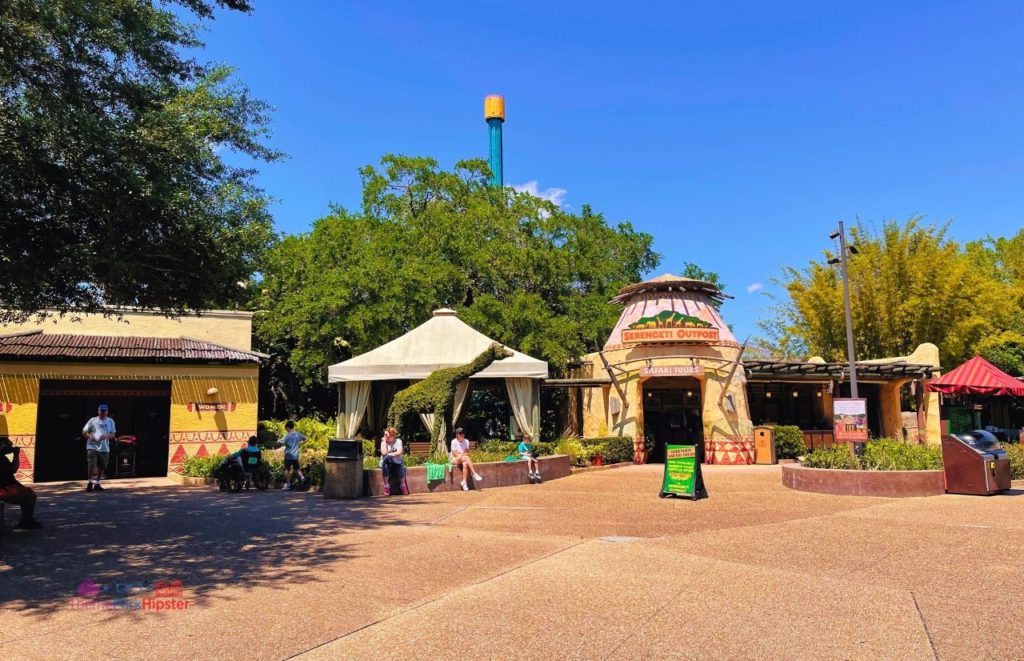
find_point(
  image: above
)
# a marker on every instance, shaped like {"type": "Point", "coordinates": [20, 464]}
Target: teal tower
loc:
{"type": "Point", "coordinates": [494, 113]}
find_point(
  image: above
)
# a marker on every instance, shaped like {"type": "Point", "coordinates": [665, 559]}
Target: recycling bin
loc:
{"type": "Point", "coordinates": [343, 470]}
{"type": "Point", "coordinates": [764, 445]}
{"type": "Point", "coordinates": [975, 464]}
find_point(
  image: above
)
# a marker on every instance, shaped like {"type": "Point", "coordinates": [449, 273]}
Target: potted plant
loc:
{"type": "Point", "coordinates": [597, 455]}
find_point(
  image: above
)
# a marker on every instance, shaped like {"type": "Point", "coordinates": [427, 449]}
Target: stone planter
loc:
{"type": "Point", "coordinates": [495, 474]}
{"type": "Point", "coordinates": [885, 484]}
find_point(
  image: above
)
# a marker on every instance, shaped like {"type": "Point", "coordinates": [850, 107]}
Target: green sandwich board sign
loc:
{"type": "Point", "coordinates": [682, 473]}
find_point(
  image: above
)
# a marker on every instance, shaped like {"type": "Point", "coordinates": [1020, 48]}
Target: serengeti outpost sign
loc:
{"type": "Point", "coordinates": [669, 327]}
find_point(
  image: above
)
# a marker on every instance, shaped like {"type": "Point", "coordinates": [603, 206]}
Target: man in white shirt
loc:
{"type": "Point", "coordinates": [98, 433]}
{"type": "Point", "coordinates": [460, 457]}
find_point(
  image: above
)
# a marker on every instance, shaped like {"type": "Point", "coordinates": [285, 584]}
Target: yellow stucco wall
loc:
{"type": "Point", "coordinates": [228, 328]}
{"type": "Point", "coordinates": [191, 432]}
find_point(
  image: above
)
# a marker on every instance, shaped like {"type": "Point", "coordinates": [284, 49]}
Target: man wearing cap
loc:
{"type": "Point", "coordinates": [97, 433]}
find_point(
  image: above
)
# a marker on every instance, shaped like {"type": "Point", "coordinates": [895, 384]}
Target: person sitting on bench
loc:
{"type": "Point", "coordinates": [12, 491]}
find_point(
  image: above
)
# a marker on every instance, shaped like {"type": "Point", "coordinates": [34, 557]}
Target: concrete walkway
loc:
{"type": "Point", "coordinates": [591, 566]}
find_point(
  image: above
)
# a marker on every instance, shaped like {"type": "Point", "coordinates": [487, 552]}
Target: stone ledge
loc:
{"type": "Point", "coordinates": [885, 484]}
{"type": "Point", "coordinates": [495, 474]}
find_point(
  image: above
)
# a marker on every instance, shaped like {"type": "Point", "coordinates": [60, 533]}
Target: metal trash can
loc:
{"type": "Point", "coordinates": [975, 464]}
{"type": "Point", "coordinates": [764, 445]}
{"type": "Point", "coordinates": [343, 471]}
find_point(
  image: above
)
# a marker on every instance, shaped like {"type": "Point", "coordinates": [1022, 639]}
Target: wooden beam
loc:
{"type": "Point", "coordinates": [615, 380]}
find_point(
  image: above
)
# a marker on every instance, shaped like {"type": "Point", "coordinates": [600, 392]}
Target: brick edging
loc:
{"type": "Point", "coordinates": [884, 484]}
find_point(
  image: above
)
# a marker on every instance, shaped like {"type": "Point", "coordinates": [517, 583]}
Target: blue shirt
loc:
{"type": "Point", "coordinates": [524, 448]}
{"type": "Point", "coordinates": [291, 442]}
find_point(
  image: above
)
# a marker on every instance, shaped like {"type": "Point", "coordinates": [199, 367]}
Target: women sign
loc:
{"type": "Point", "coordinates": [850, 417]}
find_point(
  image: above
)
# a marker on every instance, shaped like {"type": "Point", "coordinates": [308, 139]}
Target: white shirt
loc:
{"type": "Point", "coordinates": [97, 428]}
{"type": "Point", "coordinates": [396, 446]}
{"type": "Point", "coordinates": [459, 446]}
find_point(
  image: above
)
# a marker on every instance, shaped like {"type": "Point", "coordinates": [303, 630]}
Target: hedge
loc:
{"type": "Point", "coordinates": [789, 442]}
{"type": "Point", "coordinates": [1016, 452]}
{"type": "Point", "coordinates": [883, 454]}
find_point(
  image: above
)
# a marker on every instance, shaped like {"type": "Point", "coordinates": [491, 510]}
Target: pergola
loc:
{"type": "Point", "coordinates": [442, 341]}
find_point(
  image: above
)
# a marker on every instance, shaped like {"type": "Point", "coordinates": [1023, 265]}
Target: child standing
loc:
{"type": "Point", "coordinates": [291, 441]}
{"type": "Point", "coordinates": [526, 453]}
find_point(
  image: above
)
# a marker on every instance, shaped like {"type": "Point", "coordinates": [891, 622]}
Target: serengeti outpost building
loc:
{"type": "Point", "coordinates": [184, 387]}
{"type": "Point", "coordinates": [671, 372]}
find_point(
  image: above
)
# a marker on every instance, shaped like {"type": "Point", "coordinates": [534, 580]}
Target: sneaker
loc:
{"type": "Point", "coordinates": [387, 489]}
{"type": "Point", "coordinates": [405, 490]}
{"type": "Point", "coordinates": [89, 487]}
{"type": "Point", "coordinates": [28, 525]}
{"type": "Point", "coordinates": [286, 487]}
{"type": "Point", "coordinates": [478, 478]}
{"type": "Point", "coordinates": [98, 487]}
{"type": "Point", "coordinates": [465, 487]}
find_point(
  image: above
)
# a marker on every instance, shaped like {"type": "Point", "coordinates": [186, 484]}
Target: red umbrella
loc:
{"type": "Point", "coordinates": [977, 377]}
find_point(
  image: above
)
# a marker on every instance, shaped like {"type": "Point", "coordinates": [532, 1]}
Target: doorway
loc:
{"type": "Point", "coordinates": [139, 408]}
{"type": "Point", "coordinates": [672, 414]}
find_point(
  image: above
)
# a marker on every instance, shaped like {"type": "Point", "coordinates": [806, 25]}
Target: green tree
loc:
{"type": "Point", "coordinates": [516, 267]}
{"type": "Point", "coordinates": [691, 270]}
{"type": "Point", "coordinates": [116, 186]}
{"type": "Point", "coordinates": [909, 284]}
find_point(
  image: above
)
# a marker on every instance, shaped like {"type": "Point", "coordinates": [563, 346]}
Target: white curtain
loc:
{"type": "Point", "coordinates": [520, 396]}
{"type": "Point", "coordinates": [461, 391]}
{"type": "Point", "coordinates": [357, 400]}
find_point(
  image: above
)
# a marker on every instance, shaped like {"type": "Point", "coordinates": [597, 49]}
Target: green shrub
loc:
{"type": "Point", "coordinates": [572, 446]}
{"type": "Point", "coordinates": [886, 454]}
{"type": "Point", "coordinates": [1016, 452]}
{"type": "Point", "coordinates": [882, 454]}
{"type": "Point", "coordinates": [201, 466]}
{"type": "Point", "coordinates": [837, 456]}
{"type": "Point", "coordinates": [617, 449]}
{"type": "Point", "coordinates": [789, 442]}
{"type": "Point", "coordinates": [318, 432]}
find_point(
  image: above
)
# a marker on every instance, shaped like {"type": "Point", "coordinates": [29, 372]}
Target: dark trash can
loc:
{"type": "Point", "coordinates": [343, 471]}
{"type": "Point", "coordinates": [975, 464]}
{"type": "Point", "coordinates": [124, 456]}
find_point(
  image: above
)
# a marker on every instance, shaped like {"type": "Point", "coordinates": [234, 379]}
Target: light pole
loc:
{"type": "Point", "coordinates": [841, 260]}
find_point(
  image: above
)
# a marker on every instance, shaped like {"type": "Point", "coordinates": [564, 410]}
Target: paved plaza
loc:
{"type": "Point", "coordinates": [590, 566]}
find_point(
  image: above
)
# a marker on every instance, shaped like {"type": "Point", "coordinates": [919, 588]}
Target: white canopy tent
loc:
{"type": "Point", "coordinates": [442, 341]}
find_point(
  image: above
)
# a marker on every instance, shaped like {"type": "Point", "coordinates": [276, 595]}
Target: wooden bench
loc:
{"type": "Point", "coordinates": [423, 448]}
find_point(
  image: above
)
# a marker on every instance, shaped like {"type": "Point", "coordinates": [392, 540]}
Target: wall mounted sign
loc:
{"type": "Point", "coordinates": [668, 326]}
{"type": "Point", "coordinates": [5, 407]}
{"type": "Point", "coordinates": [850, 417]}
{"type": "Point", "coordinates": [682, 473]}
{"type": "Point", "coordinates": [211, 406]}
{"type": "Point", "coordinates": [672, 370]}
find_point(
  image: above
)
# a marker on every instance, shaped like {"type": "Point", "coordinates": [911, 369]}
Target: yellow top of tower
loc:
{"type": "Point", "coordinates": [494, 107]}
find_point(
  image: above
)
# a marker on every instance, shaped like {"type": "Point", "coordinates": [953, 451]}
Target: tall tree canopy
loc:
{"type": "Point", "coordinates": [909, 283]}
{"type": "Point", "coordinates": [114, 186]}
{"type": "Point", "coordinates": [516, 267]}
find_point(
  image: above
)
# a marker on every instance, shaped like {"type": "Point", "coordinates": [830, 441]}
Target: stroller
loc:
{"type": "Point", "coordinates": [243, 471]}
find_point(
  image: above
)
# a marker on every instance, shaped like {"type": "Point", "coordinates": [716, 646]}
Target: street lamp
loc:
{"type": "Point", "coordinates": [843, 249]}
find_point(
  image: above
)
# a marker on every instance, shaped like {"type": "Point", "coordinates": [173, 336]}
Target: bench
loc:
{"type": "Point", "coordinates": [423, 448]}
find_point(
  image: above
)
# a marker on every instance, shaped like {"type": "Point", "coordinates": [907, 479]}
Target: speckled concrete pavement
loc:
{"type": "Point", "coordinates": [591, 566]}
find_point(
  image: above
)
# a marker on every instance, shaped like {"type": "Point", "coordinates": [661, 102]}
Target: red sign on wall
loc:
{"type": "Point", "coordinates": [211, 406]}
{"type": "Point", "coordinates": [5, 407]}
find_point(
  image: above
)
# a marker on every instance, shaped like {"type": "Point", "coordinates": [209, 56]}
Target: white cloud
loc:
{"type": "Point", "coordinates": [554, 195]}
{"type": "Point", "coordinates": [754, 286]}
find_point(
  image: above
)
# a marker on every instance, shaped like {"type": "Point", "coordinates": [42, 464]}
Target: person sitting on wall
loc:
{"type": "Point", "coordinates": [12, 491]}
{"type": "Point", "coordinates": [529, 455]}
{"type": "Point", "coordinates": [391, 455]}
{"type": "Point", "coordinates": [459, 456]}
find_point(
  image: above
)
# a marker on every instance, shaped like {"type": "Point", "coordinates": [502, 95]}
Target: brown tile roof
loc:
{"type": "Point", "coordinates": [37, 345]}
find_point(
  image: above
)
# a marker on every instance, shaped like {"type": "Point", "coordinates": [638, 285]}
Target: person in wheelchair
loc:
{"type": "Point", "coordinates": [244, 468]}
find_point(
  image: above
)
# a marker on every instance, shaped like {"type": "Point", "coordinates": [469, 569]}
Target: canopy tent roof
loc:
{"type": "Point", "coordinates": [977, 377]}
{"type": "Point", "coordinates": [442, 341]}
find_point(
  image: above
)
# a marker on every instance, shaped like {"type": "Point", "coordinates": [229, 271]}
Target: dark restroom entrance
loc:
{"type": "Point", "coordinates": [672, 414]}
{"type": "Point", "coordinates": [139, 408]}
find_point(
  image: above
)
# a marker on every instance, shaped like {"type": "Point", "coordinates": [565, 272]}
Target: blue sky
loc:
{"type": "Point", "coordinates": [737, 134]}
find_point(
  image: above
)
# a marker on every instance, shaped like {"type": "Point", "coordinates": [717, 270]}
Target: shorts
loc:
{"type": "Point", "coordinates": [291, 463]}
{"type": "Point", "coordinates": [96, 458]}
